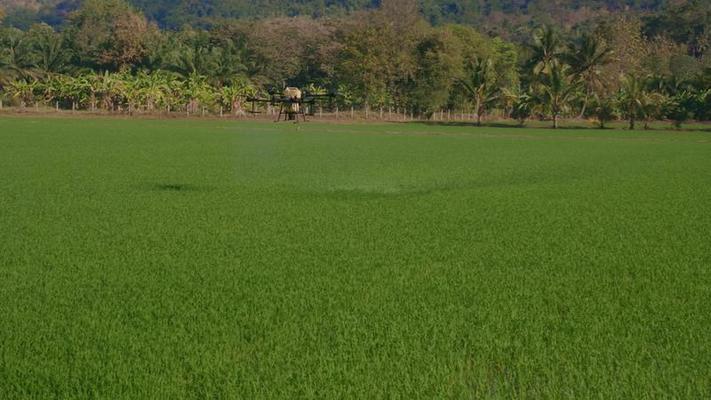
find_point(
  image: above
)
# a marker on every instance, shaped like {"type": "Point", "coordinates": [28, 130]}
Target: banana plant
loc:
{"type": "Point", "coordinates": [110, 90]}
{"type": "Point", "coordinates": [153, 89]}
{"type": "Point", "coordinates": [603, 109]}
{"type": "Point", "coordinates": [24, 90]}
{"type": "Point", "coordinates": [198, 93]}
{"type": "Point", "coordinates": [519, 102]}
{"type": "Point", "coordinates": [234, 95]}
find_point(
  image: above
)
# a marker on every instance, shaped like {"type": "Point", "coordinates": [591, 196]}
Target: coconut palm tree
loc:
{"type": "Point", "coordinates": [585, 57]}
{"type": "Point", "coordinates": [480, 84]}
{"type": "Point", "coordinates": [556, 89]}
{"type": "Point", "coordinates": [632, 99]}
{"type": "Point", "coordinates": [546, 50]}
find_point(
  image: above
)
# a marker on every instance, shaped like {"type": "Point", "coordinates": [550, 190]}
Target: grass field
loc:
{"type": "Point", "coordinates": [213, 259]}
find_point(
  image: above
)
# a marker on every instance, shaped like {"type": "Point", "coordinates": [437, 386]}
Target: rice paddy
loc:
{"type": "Point", "coordinates": [220, 259]}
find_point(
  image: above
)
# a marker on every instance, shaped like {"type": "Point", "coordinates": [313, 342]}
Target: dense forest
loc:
{"type": "Point", "coordinates": [603, 59]}
{"type": "Point", "coordinates": [176, 13]}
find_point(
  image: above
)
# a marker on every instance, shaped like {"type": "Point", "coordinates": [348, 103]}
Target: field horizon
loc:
{"type": "Point", "coordinates": [329, 118]}
{"type": "Point", "coordinates": [161, 258]}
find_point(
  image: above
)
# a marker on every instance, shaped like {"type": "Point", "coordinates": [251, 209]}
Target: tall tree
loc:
{"type": "Point", "coordinates": [585, 56]}
{"type": "Point", "coordinates": [293, 51]}
{"type": "Point", "coordinates": [15, 55]}
{"type": "Point", "coordinates": [50, 56]}
{"type": "Point", "coordinates": [480, 83]}
{"type": "Point", "coordinates": [556, 89]}
{"type": "Point", "coordinates": [546, 50]}
{"type": "Point", "coordinates": [632, 98]}
{"type": "Point", "coordinates": [438, 66]}
{"type": "Point", "coordinates": [109, 34]}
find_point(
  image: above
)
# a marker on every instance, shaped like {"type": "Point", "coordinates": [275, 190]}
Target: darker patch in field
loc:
{"type": "Point", "coordinates": [179, 187]}
{"type": "Point", "coordinates": [502, 125]}
{"type": "Point", "coordinates": [384, 193]}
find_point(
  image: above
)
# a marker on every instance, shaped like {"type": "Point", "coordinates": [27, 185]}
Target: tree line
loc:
{"type": "Point", "coordinates": [108, 56]}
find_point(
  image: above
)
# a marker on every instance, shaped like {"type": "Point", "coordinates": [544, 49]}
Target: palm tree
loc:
{"type": "Point", "coordinates": [603, 108]}
{"type": "Point", "coordinates": [546, 50]}
{"type": "Point", "coordinates": [192, 53]}
{"type": "Point", "coordinates": [481, 85]}
{"type": "Point", "coordinates": [585, 57]}
{"type": "Point", "coordinates": [227, 63]}
{"type": "Point", "coordinates": [632, 99]}
{"type": "Point", "coordinates": [15, 56]}
{"type": "Point", "coordinates": [556, 90]}
{"type": "Point", "coordinates": [50, 54]}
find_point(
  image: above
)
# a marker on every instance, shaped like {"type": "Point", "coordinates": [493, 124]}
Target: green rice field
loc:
{"type": "Point", "coordinates": [168, 259]}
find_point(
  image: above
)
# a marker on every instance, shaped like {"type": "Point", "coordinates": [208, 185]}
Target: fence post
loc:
{"type": "Point", "coordinates": [336, 112]}
{"type": "Point", "coordinates": [352, 112]}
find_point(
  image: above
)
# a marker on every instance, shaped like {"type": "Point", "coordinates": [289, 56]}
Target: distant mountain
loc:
{"type": "Point", "coordinates": [11, 4]}
{"type": "Point", "coordinates": [175, 13]}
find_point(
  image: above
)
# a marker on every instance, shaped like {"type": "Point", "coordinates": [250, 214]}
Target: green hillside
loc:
{"type": "Point", "coordinates": [174, 13]}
